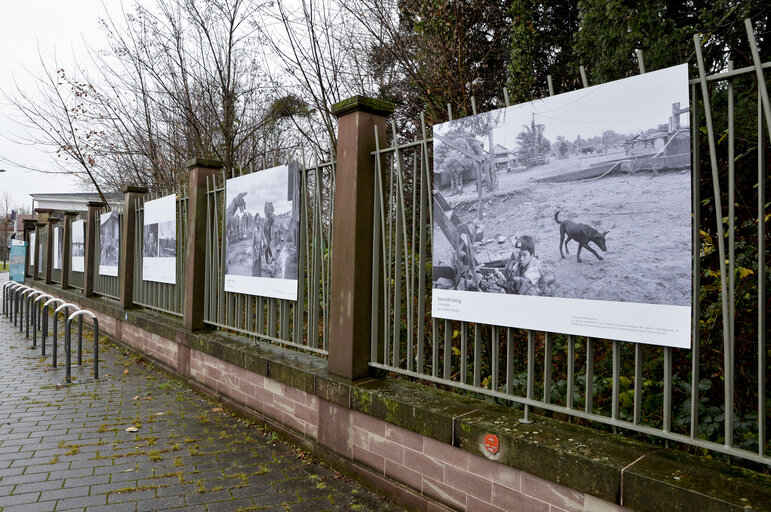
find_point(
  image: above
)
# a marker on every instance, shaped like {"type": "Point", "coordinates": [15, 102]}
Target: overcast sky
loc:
{"type": "Point", "coordinates": [58, 28]}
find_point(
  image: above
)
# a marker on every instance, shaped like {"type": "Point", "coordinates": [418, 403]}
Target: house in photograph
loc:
{"type": "Point", "coordinates": [505, 159]}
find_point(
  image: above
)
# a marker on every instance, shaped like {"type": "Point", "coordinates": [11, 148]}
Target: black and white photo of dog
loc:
{"type": "Point", "coordinates": [582, 234]}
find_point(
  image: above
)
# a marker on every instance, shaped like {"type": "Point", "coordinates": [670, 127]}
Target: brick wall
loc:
{"type": "Point", "coordinates": [450, 476]}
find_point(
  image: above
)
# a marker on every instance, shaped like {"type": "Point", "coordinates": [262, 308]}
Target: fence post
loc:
{"type": "Point", "coordinates": [52, 222]}
{"type": "Point", "coordinates": [89, 259]}
{"type": "Point", "coordinates": [38, 247]}
{"type": "Point", "coordinates": [29, 226]}
{"type": "Point", "coordinates": [195, 240]}
{"type": "Point", "coordinates": [351, 286]}
{"type": "Point", "coordinates": [131, 195]}
{"type": "Point", "coordinates": [67, 248]}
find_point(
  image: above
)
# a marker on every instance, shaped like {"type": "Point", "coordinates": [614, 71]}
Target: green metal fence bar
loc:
{"type": "Point", "coordinates": [302, 324]}
{"type": "Point", "coordinates": [164, 297]}
{"type": "Point", "coordinates": [76, 277]}
{"type": "Point", "coordinates": [104, 285]}
{"type": "Point", "coordinates": [42, 254]}
{"type": "Point", "coordinates": [56, 273]}
{"type": "Point", "coordinates": [481, 359]}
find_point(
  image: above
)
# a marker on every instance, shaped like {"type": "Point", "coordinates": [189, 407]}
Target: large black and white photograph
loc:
{"type": "Point", "coordinates": [571, 213]}
{"type": "Point", "coordinates": [78, 245]}
{"type": "Point", "coordinates": [262, 220]}
{"type": "Point", "coordinates": [58, 247]}
{"type": "Point", "coordinates": [159, 251]}
{"type": "Point", "coordinates": [109, 243]}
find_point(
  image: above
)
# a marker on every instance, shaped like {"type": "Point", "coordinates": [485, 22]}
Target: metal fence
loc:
{"type": "Point", "coordinates": [76, 277]}
{"type": "Point", "coordinates": [618, 384]}
{"type": "Point", "coordinates": [56, 273]}
{"type": "Point", "coordinates": [303, 323]}
{"type": "Point", "coordinates": [163, 297]}
{"type": "Point", "coordinates": [104, 284]}
{"type": "Point", "coordinates": [42, 253]}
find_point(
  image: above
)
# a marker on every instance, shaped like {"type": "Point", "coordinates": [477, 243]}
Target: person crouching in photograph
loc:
{"type": "Point", "coordinates": [523, 271]}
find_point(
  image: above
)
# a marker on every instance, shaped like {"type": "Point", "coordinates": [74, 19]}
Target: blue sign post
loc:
{"type": "Point", "coordinates": [18, 260]}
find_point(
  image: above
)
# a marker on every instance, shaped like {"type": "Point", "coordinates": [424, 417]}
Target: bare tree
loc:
{"type": "Point", "coordinates": [53, 115]}
{"type": "Point", "coordinates": [318, 56]}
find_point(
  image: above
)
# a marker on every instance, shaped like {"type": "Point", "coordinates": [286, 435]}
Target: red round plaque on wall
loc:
{"type": "Point", "coordinates": [491, 443]}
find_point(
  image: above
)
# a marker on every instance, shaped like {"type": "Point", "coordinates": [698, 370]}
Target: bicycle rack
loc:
{"type": "Point", "coordinates": [9, 297]}
{"type": "Point", "coordinates": [37, 318]}
{"type": "Point", "coordinates": [24, 299]}
{"type": "Point", "coordinates": [45, 327]}
{"type": "Point", "coordinates": [67, 340]}
{"type": "Point", "coordinates": [16, 292]}
{"type": "Point", "coordinates": [6, 294]}
{"type": "Point", "coordinates": [31, 313]}
{"type": "Point", "coordinates": [66, 307]}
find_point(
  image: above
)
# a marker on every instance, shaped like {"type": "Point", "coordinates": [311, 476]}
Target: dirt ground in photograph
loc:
{"type": "Point", "coordinates": [240, 257]}
{"type": "Point", "coordinates": [649, 248]}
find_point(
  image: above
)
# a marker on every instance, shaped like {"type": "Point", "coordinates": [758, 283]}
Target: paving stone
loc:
{"type": "Point", "coordinates": [31, 507]}
{"type": "Point", "coordinates": [20, 499]}
{"type": "Point", "coordinates": [38, 486]}
{"type": "Point", "coordinates": [66, 447]}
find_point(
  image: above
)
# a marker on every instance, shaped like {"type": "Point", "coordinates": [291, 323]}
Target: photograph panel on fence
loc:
{"type": "Point", "coordinates": [78, 245]}
{"type": "Point", "coordinates": [262, 221]}
{"type": "Point", "coordinates": [159, 250]}
{"type": "Point", "coordinates": [571, 213]}
{"type": "Point", "coordinates": [58, 247]}
{"type": "Point", "coordinates": [32, 241]}
{"type": "Point", "coordinates": [109, 243]}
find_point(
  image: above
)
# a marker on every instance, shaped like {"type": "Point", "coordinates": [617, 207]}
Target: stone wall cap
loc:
{"type": "Point", "coordinates": [43, 210]}
{"type": "Point", "coordinates": [204, 163]}
{"type": "Point", "coordinates": [40, 224]}
{"type": "Point", "coordinates": [71, 213]}
{"type": "Point", "coordinates": [30, 221]}
{"type": "Point", "coordinates": [364, 104]}
{"type": "Point", "coordinates": [135, 189]}
{"type": "Point", "coordinates": [95, 204]}
{"type": "Point", "coordinates": [53, 220]}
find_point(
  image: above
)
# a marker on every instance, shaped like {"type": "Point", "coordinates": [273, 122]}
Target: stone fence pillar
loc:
{"type": "Point", "coordinates": [351, 286]}
{"type": "Point", "coordinates": [195, 242]}
{"type": "Point", "coordinates": [131, 195]}
{"type": "Point", "coordinates": [89, 270]}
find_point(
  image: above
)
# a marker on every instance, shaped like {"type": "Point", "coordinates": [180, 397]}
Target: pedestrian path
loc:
{"type": "Point", "coordinates": [68, 447]}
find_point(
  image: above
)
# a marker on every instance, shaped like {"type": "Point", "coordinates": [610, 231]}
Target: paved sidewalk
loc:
{"type": "Point", "coordinates": [67, 448]}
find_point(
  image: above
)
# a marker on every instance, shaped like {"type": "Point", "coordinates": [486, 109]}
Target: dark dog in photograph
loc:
{"type": "Point", "coordinates": [582, 234]}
